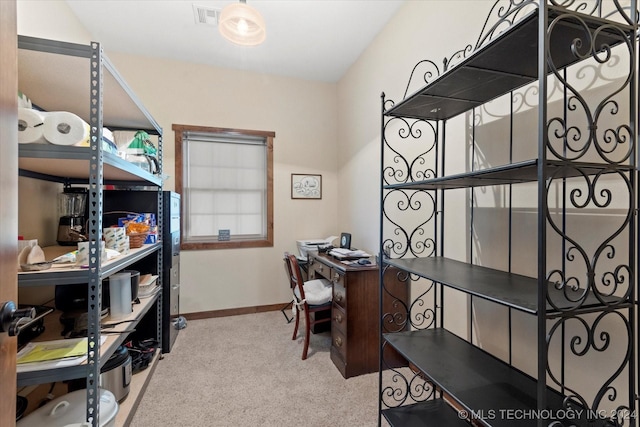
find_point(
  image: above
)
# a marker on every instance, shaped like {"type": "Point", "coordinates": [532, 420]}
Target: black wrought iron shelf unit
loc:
{"type": "Point", "coordinates": [583, 299]}
{"type": "Point", "coordinates": [61, 76]}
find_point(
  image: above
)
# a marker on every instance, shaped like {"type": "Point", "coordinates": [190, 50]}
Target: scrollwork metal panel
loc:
{"type": "Point", "coordinates": [585, 339]}
{"type": "Point", "coordinates": [409, 218]}
{"type": "Point", "coordinates": [605, 130]}
{"type": "Point", "coordinates": [600, 269]}
{"type": "Point", "coordinates": [403, 386]}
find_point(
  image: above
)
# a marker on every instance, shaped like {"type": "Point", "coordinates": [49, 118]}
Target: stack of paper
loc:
{"type": "Point", "coordinates": [342, 253]}
{"type": "Point", "coordinates": [53, 354]}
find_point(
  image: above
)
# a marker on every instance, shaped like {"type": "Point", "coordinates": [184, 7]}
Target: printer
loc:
{"type": "Point", "coordinates": [306, 245]}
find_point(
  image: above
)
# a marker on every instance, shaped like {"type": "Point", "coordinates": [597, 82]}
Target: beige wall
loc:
{"type": "Point", "coordinates": [420, 30]}
{"type": "Point", "coordinates": [51, 19]}
{"type": "Point", "coordinates": [301, 113]}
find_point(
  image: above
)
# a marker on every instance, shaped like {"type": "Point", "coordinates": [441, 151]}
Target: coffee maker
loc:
{"type": "Point", "coordinates": [72, 204]}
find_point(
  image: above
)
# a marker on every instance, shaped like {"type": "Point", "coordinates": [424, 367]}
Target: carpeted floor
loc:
{"type": "Point", "coordinates": [246, 371]}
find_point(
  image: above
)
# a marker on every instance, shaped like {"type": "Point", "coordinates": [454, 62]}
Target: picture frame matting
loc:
{"type": "Point", "coordinates": [306, 186]}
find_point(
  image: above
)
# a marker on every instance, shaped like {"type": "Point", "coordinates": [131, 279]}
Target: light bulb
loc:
{"type": "Point", "coordinates": [243, 27]}
{"type": "Point", "coordinates": [241, 24]}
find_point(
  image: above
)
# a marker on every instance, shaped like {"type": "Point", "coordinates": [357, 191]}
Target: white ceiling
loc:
{"type": "Point", "coordinates": [308, 39]}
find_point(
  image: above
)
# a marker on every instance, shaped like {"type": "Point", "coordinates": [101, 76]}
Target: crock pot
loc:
{"type": "Point", "coordinates": [115, 375]}
{"type": "Point", "coordinates": [71, 409]}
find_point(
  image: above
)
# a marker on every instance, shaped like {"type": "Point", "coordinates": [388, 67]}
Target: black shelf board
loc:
{"type": "Point", "coordinates": [432, 413]}
{"type": "Point", "coordinates": [69, 162]}
{"type": "Point", "coordinates": [513, 173]}
{"type": "Point", "coordinates": [505, 63]}
{"type": "Point", "coordinates": [51, 375]}
{"type": "Point", "coordinates": [60, 276]}
{"type": "Point", "coordinates": [513, 290]}
{"type": "Point", "coordinates": [481, 383]}
{"type": "Point", "coordinates": [54, 46]}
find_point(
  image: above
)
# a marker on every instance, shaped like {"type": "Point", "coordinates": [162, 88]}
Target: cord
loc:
{"type": "Point", "coordinates": [112, 325]}
{"type": "Point", "coordinates": [141, 353]}
{"type": "Point", "coordinates": [49, 397]}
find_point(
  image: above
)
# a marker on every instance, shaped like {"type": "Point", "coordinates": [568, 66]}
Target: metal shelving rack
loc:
{"type": "Point", "coordinates": [585, 166]}
{"type": "Point", "coordinates": [80, 79]}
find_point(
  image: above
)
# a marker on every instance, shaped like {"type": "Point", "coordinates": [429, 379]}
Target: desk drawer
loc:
{"type": "Point", "coordinates": [337, 278]}
{"type": "Point", "coordinates": [340, 292]}
{"type": "Point", "coordinates": [338, 319]}
{"type": "Point", "coordinates": [339, 343]}
{"type": "Point", "coordinates": [318, 270]}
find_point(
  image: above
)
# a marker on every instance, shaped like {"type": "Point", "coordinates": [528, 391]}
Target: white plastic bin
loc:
{"type": "Point", "coordinates": [70, 410]}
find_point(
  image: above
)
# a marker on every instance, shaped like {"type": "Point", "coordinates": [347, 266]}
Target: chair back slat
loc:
{"type": "Point", "coordinates": [292, 268]}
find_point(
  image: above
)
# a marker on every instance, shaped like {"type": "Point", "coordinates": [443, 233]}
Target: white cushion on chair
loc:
{"type": "Point", "coordinates": [317, 292]}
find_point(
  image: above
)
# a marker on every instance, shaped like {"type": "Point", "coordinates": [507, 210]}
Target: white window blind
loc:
{"type": "Point", "coordinates": [225, 181]}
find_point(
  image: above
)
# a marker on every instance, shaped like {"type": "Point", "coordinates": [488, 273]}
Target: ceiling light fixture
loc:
{"type": "Point", "coordinates": [241, 24]}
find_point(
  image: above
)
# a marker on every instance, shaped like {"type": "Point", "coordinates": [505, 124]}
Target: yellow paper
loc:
{"type": "Point", "coordinates": [52, 350]}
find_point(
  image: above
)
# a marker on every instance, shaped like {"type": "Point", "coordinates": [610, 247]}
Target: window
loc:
{"type": "Point", "coordinates": [225, 177]}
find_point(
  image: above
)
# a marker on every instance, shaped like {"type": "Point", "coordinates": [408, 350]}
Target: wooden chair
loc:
{"type": "Point", "coordinates": [312, 296]}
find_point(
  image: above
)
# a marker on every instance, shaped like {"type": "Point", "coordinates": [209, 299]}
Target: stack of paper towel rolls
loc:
{"type": "Point", "coordinates": [56, 127]}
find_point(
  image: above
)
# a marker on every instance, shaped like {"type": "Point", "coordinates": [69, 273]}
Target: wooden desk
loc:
{"type": "Point", "coordinates": [355, 315]}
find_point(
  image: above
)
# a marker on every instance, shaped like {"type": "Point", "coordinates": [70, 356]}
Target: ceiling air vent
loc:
{"type": "Point", "coordinates": [206, 15]}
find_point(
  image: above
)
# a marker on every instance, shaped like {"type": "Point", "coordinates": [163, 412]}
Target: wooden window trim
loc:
{"type": "Point", "coordinates": [258, 243]}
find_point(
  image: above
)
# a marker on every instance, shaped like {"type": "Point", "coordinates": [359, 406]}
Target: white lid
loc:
{"type": "Point", "coordinates": [70, 410]}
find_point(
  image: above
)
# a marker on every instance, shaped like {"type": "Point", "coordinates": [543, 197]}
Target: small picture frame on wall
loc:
{"type": "Point", "coordinates": [306, 186]}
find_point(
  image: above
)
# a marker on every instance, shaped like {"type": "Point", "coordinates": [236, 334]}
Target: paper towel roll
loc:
{"type": "Point", "coordinates": [30, 126]}
{"type": "Point", "coordinates": [64, 128]}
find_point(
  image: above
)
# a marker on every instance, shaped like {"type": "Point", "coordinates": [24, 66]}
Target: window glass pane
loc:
{"type": "Point", "coordinates": [225, 180]}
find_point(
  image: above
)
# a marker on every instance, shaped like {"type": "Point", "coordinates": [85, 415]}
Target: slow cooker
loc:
{"type": "Point", "coordinates": [115, 375]}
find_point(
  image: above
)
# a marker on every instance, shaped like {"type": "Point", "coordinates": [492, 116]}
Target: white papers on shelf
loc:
{"type": "Point", "coordinates": [343, 253]}
{"type": "Point", "coordinates": [55, 346]}
{"type": "Point", "coordinates": [148, 286]}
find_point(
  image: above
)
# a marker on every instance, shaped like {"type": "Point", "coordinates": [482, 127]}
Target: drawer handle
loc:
{"type": "Point", "coordinates": [339, 297]}
{"type": "Point", "coordinates": [336, 277]}
{"type": "Point", "coordinates": [338, 342]}
{"type": "Point", "coordinates": [338, 318]}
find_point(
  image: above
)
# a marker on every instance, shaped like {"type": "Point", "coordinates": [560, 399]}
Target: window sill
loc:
{"type": "Point", "coordinates": [238, 244]}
